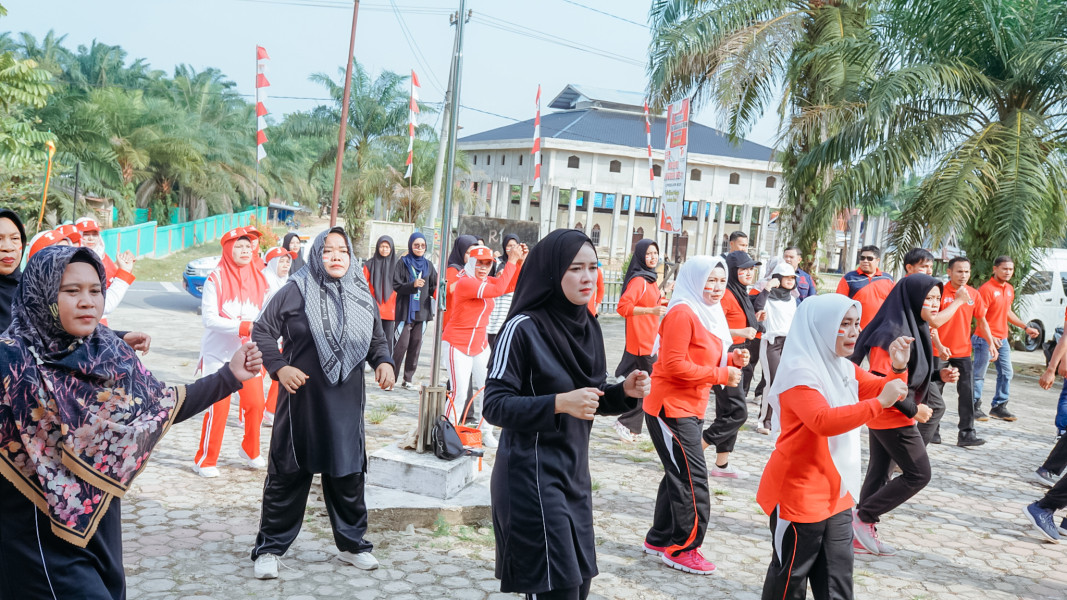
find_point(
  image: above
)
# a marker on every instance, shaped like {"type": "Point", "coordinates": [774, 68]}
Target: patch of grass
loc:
{"type": "Point", "coordinates": [377, 415]}
{"type": "Point", "coordinates": [730, 509]}
{"type": "Point", "coordinates": [721, 492]}
{"type": "Point", "coordinates": [639, 459]}
{"type": "Point", "coordinates": [392, 406]}
{"type": "Point", "coordinates": [441, 527]}
{"type": "Point", "coordinates": [646, 446]}
{"type": "Point", "coordinates": [470, 534]}
{"type": "Point", "coordinates": [595, 485]}
{"type": "Point", "coordinates": [170, 268]}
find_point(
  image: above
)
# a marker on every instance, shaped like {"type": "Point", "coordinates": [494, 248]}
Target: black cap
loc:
{"type": "Point", "coordinates": [742, 260]}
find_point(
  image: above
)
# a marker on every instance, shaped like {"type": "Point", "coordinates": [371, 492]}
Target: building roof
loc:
{"type": "Point", "coordinates": [618, 128]}
{"type": "Point", "coordinates": [577, 96]}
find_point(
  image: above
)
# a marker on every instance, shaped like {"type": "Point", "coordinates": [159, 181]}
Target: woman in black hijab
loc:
{"type": "Point", "coordinates": [894, 438]}
{"type": "Point", "coordinates": [546, 383]}
{"type": "Point", "coordinates": [292, 242]}
{"type": "Point", "coordinates": [12, 240]}
{"type": "Point", "coordinates": [379, 270]}
{"type": "Point", "coordinates": [641, 304]}
{"type": "Point", "coordinates": [329, 328]}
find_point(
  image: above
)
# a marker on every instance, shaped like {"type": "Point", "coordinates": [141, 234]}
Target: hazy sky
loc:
{"type": "Point", "coordinates": [507, 51]}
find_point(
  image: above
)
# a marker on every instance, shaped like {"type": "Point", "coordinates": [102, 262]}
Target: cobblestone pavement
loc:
{"type": "Point", "coordinates": [963, 537]}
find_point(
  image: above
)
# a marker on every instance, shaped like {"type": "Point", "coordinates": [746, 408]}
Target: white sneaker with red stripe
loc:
{"type": "Point", "coordinates": [690, 562]}
{"type": "Point", "coordinates": [654, 550]}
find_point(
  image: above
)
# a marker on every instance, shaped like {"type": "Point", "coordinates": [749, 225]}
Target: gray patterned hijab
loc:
{"type": "Point", "coordinates": [340, 311]}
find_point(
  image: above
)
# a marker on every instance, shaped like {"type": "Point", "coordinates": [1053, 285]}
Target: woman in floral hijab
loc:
{"type": "Point", "coordinates": [79, 417]}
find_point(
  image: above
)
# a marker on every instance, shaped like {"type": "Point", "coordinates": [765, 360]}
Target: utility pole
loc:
{"type": "Point", "coordinates": [341, 137]}
{"type": "Point", "coordinates": [450, 172]}
{"type": "Point", "coordinates": [446, 114]}
{"type": "Point", "coordinates": [74, 202]}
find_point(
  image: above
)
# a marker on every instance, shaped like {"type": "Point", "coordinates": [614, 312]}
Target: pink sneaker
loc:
{"type": "Point", "coordinates": [654, 550]}
{"type": "Point", "coordinates": [857, 547]}
{"type": "Point", "coordinates": [690, 562]}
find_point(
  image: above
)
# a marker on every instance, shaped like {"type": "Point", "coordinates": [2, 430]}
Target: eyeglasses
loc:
{"type": "Point", "coordinates": [868, 258]}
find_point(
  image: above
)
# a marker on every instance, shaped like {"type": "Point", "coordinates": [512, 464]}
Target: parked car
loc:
{"type": "Point", "coordinates": [196, 273]}
{"type": "Point", "coordinates": [1043, 297]}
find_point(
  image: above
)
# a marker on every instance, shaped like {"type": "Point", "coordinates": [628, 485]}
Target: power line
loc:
{"type": "Point", "coordinates": [522, 30]}
{"type": "Point", "coordinates": [603, 12]}
{"type": "Point", "coordinates": [415, 50]}
{"type": "Point", "coordinates": [421, 10]}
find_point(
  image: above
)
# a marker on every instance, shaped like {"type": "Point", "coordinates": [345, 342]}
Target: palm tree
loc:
{"type": "Point", "coordinates": [977, 104]}
{"type": "Point", "coordinates": [740, 55]}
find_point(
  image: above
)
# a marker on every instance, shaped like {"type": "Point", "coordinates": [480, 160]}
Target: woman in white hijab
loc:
{"type": "Point", "coordinates": [820, 399]}
{"type": "Point", "coordinates": [693, 349]}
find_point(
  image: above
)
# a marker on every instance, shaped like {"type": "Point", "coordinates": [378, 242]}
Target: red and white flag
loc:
{"type": "Point", "coordinates": [413, 117]}
{"type": "Point", "coordinates": [537, 143]}
{"type": "Point", "coordinates": [648, 139]}
{"type": "Point", "coordinates": [261, 97]}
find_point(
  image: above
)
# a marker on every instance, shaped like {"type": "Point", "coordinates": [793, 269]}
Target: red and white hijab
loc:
{"type": "Point", "coordinates": [240, 289]}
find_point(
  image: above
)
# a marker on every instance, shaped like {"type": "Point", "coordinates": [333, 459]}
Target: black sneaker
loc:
{"type": "Point", "coordinates": [969, 439]}
{"type": "Point", "coordinates": [1042, 476]}
{"type": "Point", "coordinates": [1001, 412]}
{"type": "Point", "coordinates": [1041, 518]}
{"type": "Point", "coordinates": [979, 415]}
{"type": "Point", "coordinates": [1063, 526]}
{"type": "Point", "coordinates": [937, 438]}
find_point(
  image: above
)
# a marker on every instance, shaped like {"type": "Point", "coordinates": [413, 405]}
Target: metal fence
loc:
{"type": "Point", "coordinates": [148, 239]}
{"type": "Point", "coordinates": [612, 291]}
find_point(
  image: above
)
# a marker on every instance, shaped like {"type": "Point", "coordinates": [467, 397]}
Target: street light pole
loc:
{"type": "Point", "coordinates": [341, 137]}
{"type": "Point", "coordinates": [450, 172]}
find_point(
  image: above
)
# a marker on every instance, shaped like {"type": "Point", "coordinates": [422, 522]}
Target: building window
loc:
{"type": "Point", "coordinates": [771, 182]}
{"type": "Point", "coordinates": [488, 159]}
{"type": "Point", "coordinates": [595, 235]}
{"type": "Point", "coordinates": [735, 179]}
{"type": "Point", "coordinates": [733, 213]}
{"type": "Point", "coordinates": [475, 159]}
{"type": "Point", "coordinates": [657, 170]}
{"type": "Point", "coordinates": [615, 166]}
{"type": "Point", "coordinates": [579, 226]}
{"type": "Point", "coordinates": [694, 175]}
{"type": "Point", "coordinates": [520, 160]}
{"type": "Point", "coordinates": [626, 207]}
{"type": "Point", "coordinates": [503, 159]}
{"type": "Point", "coordinates": [572, 162]}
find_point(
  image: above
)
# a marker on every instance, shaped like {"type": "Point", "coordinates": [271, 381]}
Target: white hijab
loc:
{"type": "Point", "coordinates": [810, 358]}
{"type": "Point", "coordinates": [274, 281]}
{"type": "Point", "coordinates": [689, 290]}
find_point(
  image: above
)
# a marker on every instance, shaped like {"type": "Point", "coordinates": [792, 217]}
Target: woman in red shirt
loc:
{"type": "Point", "coordinates": [378, 270]}
{"type": "Point", "coordinates": [641, 304]}
{"type": "Point", "coordinates": [694, 354]}
{"type": "Point", "coordinates": [813, 476]}
{"type": "Point", "coordinates": [894, 438]}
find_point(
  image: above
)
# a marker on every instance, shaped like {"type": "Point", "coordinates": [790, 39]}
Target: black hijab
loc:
{"type": "Point", "coordinates": [901, 314]}
{"type": "Point", "coordinates": [740, 290]}
{"type": "Point", "coordinates": [459, 249]}
{"type": "Point", "coordinates": [9, 283]}
{"type": "Point", "coordinates": [498, 264]}
{"type": "Point", "coordinates": [298, 262]}
{"type": "Point", "coordinates": [381, 269]}
{"type": "Point", "coordinates": [638, 267]}
{"type": "Point", "coordinates": [574, 332]}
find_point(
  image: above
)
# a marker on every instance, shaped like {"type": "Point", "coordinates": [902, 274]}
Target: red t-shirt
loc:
{"type": "Point", "coordinates": [955, 334]}
{"type": "Point", "coordinates": [800, 477]}
{"type": "Point", "coordinates": [687, 367]}
{"type": "Point", "coordinates": [870, 296]}
{"type": "Point", "coordinates": [735, 315]}
{"type": "Point", "coordinates": [598, 293]}
{"type": "Point", "coordinates": [998, 298]}
{"type": "Point", "coordinates": [472, 304]}
{"type": "Point", "coordinates": [386, 309]}
{"type": "Point", "coordinates": [640, 329]}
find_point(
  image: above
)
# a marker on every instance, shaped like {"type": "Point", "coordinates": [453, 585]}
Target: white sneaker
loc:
{"type": "Point", "coordinates": [266, 566]}
{"type": "Point", "coordinates": [624, 433]}
{"type": "Point", "coordinates": [208, 472]}
{"type": "Point", "coordinates": [488, 439]}
{"type": "Point", "coordinates": [268, 419]}
{"type": "Point", "coordinates": [256, 463]}
{"type": "Point", "coordinates": [363, 560]}
{"type": "Point", "coordinates": [730, 472]}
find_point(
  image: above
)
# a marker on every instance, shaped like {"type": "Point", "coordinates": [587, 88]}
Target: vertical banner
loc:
{"type": "Point", "coordinates": [674, 162]}
{"type": "Point", "coordinates": [261, 97]}
{"type": "Point", "coordinates": [413, 118]}
{"type": "Point", "coordinates": [648, 140]}
{"type": "Point", "coordinates": [537, 144]}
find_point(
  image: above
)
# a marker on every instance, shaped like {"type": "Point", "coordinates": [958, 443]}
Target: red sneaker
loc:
{"type": "Point", "coordinates": [690, 562]}
{"type": "Point", "coordinates": [857, 547]}
{"type": "Point", "coordinates": [654, 550]}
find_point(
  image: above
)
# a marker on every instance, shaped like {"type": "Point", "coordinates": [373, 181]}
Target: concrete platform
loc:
{"type": "Point", "coordinates": [406, 488]}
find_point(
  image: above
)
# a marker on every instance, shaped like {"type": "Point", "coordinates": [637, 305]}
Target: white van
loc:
{"type": "Point", "coordinates": [1043, 296]}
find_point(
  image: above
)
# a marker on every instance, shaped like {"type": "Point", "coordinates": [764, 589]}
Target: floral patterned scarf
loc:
{"type": "Point", "coordinates": [78, 416]}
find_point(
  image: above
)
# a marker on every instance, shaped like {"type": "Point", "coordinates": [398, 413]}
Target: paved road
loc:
{"type": "Point", "coordinates": [962, 537]}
